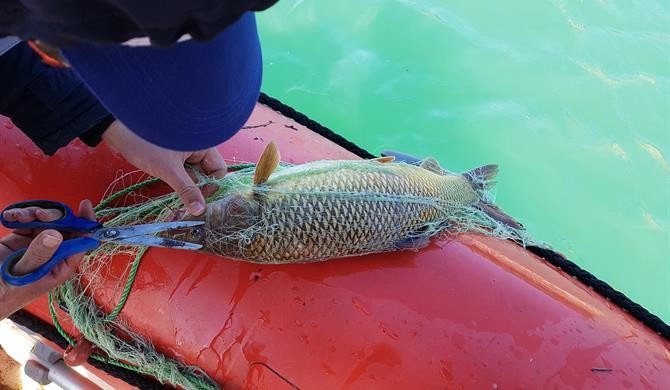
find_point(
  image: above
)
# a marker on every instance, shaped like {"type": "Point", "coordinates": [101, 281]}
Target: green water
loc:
{"type": "Point", "coordinates": [570, 98]}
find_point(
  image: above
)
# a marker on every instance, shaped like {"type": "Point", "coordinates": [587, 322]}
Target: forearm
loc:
{"type": "Point", "coordinates": [51, 106]}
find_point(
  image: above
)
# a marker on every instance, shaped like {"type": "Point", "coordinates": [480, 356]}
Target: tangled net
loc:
{"type": "Point", "coordinates": [115, 341]}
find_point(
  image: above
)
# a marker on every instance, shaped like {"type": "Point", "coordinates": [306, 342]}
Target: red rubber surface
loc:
{"type": "Point", "coordinates": [470, 313]}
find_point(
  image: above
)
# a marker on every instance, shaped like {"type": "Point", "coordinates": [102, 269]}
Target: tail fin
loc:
{"type": "Point", "coordinates": [482, 179]}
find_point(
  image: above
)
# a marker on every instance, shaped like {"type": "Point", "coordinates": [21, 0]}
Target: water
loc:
{"type": "Point", "coordinates": [571, 99]}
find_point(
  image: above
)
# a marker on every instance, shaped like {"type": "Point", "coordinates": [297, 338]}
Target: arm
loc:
{"type": "Point", "coordinates": [51, 106]}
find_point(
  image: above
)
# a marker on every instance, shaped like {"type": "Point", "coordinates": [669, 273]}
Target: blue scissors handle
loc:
{"type": "Point", "coordinates": [134, 235]}
{"type": "Point", "coordinates": [69, 222]}
{"type": "Point", "coordinates": [65, 250]}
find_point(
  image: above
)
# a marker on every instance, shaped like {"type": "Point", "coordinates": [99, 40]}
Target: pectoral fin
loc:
{"type": "Point", "coordinates": [416, 242]}
{"type": "Point", "coordinates": [496, 213]}
{"type": "Point", "coordinates": [267, 163]}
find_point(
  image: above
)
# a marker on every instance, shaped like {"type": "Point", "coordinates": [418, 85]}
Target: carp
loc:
{"type": "Point", "coordinates": [338, 208]}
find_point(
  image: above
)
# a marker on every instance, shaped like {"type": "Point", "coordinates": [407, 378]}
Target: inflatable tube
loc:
{"type": "Point", "coordinates": [469, 313]}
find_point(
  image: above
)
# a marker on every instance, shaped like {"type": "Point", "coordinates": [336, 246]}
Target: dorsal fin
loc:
{"type": "Point", "coordinates": [384, 159]}
{"type": "Point", "coordinates": [432, 165]}
{"type": "Point", "coordinates": [267, 163]}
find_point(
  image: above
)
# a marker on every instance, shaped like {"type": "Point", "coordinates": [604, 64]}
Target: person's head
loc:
{"type": "Point", "coordinates": [192, 95]}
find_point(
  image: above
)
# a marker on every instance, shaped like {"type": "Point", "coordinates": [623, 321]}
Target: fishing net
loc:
{"type": "Point", "coordinates": [128, 203]}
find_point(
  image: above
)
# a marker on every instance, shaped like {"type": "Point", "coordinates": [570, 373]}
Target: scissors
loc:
{"type": "Point", "coordinates": [122, 235]}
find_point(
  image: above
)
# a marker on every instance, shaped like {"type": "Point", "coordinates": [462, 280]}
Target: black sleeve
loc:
{"type": "Point", "coordinates": [62, 23]}
{"type": "Point", "coordinates": [52, 106]}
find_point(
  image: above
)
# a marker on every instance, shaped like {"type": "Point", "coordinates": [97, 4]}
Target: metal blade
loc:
{"type": "Point", "coordinates": [113, 234]}
{"type": "Point", "coordinates": [159, 242]}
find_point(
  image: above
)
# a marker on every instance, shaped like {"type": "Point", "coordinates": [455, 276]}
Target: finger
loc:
{"type": "Point", "coordinates": [16, 241]}
{"type": "Point", "coordinates": [61, 272]}
{"type": "Point", "coordinates": [32, 213]}
{"type": "Point", "coordinates": [29, 214]}
{"type": "Point", "coordinates": [10, 215]}
{"type": "Point", "coordinates": [25, 215]}
{"type": "Point", "coordinates": [58, 275]}
{"type": "Point", "coordinates": [39, 252]}
{"type": "Point", "coordinates": [209, 189]}
{"type": "Point", "coordinates": [48, 215]}
{"type": "Point", "coordinates": [24, 232]}
{"type": "Point", "coordinates": [86, 210]}
{"type": "Point", "coordinates": [187, 191]}
{"type": "Point", "coordinates": [211, 162]}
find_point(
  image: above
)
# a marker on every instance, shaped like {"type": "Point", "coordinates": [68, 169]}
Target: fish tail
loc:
{"type": "Point", "coordinates": [482, 179]}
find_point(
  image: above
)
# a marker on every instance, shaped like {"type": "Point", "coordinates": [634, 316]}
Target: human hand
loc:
{"type": "Point", "coordinates": [41, 246]}
{"type": "Point", "coordinates": [167, 165]}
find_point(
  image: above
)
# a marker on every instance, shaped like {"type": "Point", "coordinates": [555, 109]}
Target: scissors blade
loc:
{"type": "Point", "coordinates": [115, 234]}
{"type": "Point", "coordinates": [158, 241]}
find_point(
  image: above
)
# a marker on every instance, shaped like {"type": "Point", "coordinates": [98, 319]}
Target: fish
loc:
{"type": "Point", "coordinates": [329, 209]}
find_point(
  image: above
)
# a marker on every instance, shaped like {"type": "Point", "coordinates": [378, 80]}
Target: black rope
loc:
{"type": "Point", "coordinates": [313, 125]}
{"type": "Point", "coordinates": [49, 332]}
{"type": "Point", "coordinates": [626, 304]}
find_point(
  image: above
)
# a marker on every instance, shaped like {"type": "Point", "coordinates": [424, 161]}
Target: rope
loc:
{"type": "Point", "coordinates": [54, 319]}
{"type": "Point", "coordinates": [129, 285]}
{"type": "Point", "coordinates": [313, 125]}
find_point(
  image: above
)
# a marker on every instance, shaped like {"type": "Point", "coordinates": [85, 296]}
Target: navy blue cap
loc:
{"type": "Point", "coordinates": [190, 96]}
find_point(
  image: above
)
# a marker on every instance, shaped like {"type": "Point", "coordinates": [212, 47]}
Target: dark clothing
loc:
{"type": "Point", "coordinates": [65, 22]}
{"type": "Point", "coordinates": [51, 106]}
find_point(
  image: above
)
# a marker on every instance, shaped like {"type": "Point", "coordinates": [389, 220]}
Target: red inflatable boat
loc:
{"type": "Point", "coordinates": [471, 313]}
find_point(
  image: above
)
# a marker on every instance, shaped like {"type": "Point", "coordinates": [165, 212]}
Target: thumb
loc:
{"type": "Point", "coordinates": [43, 246]}
{"type": "Point", "coordinates": [187, 191]}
